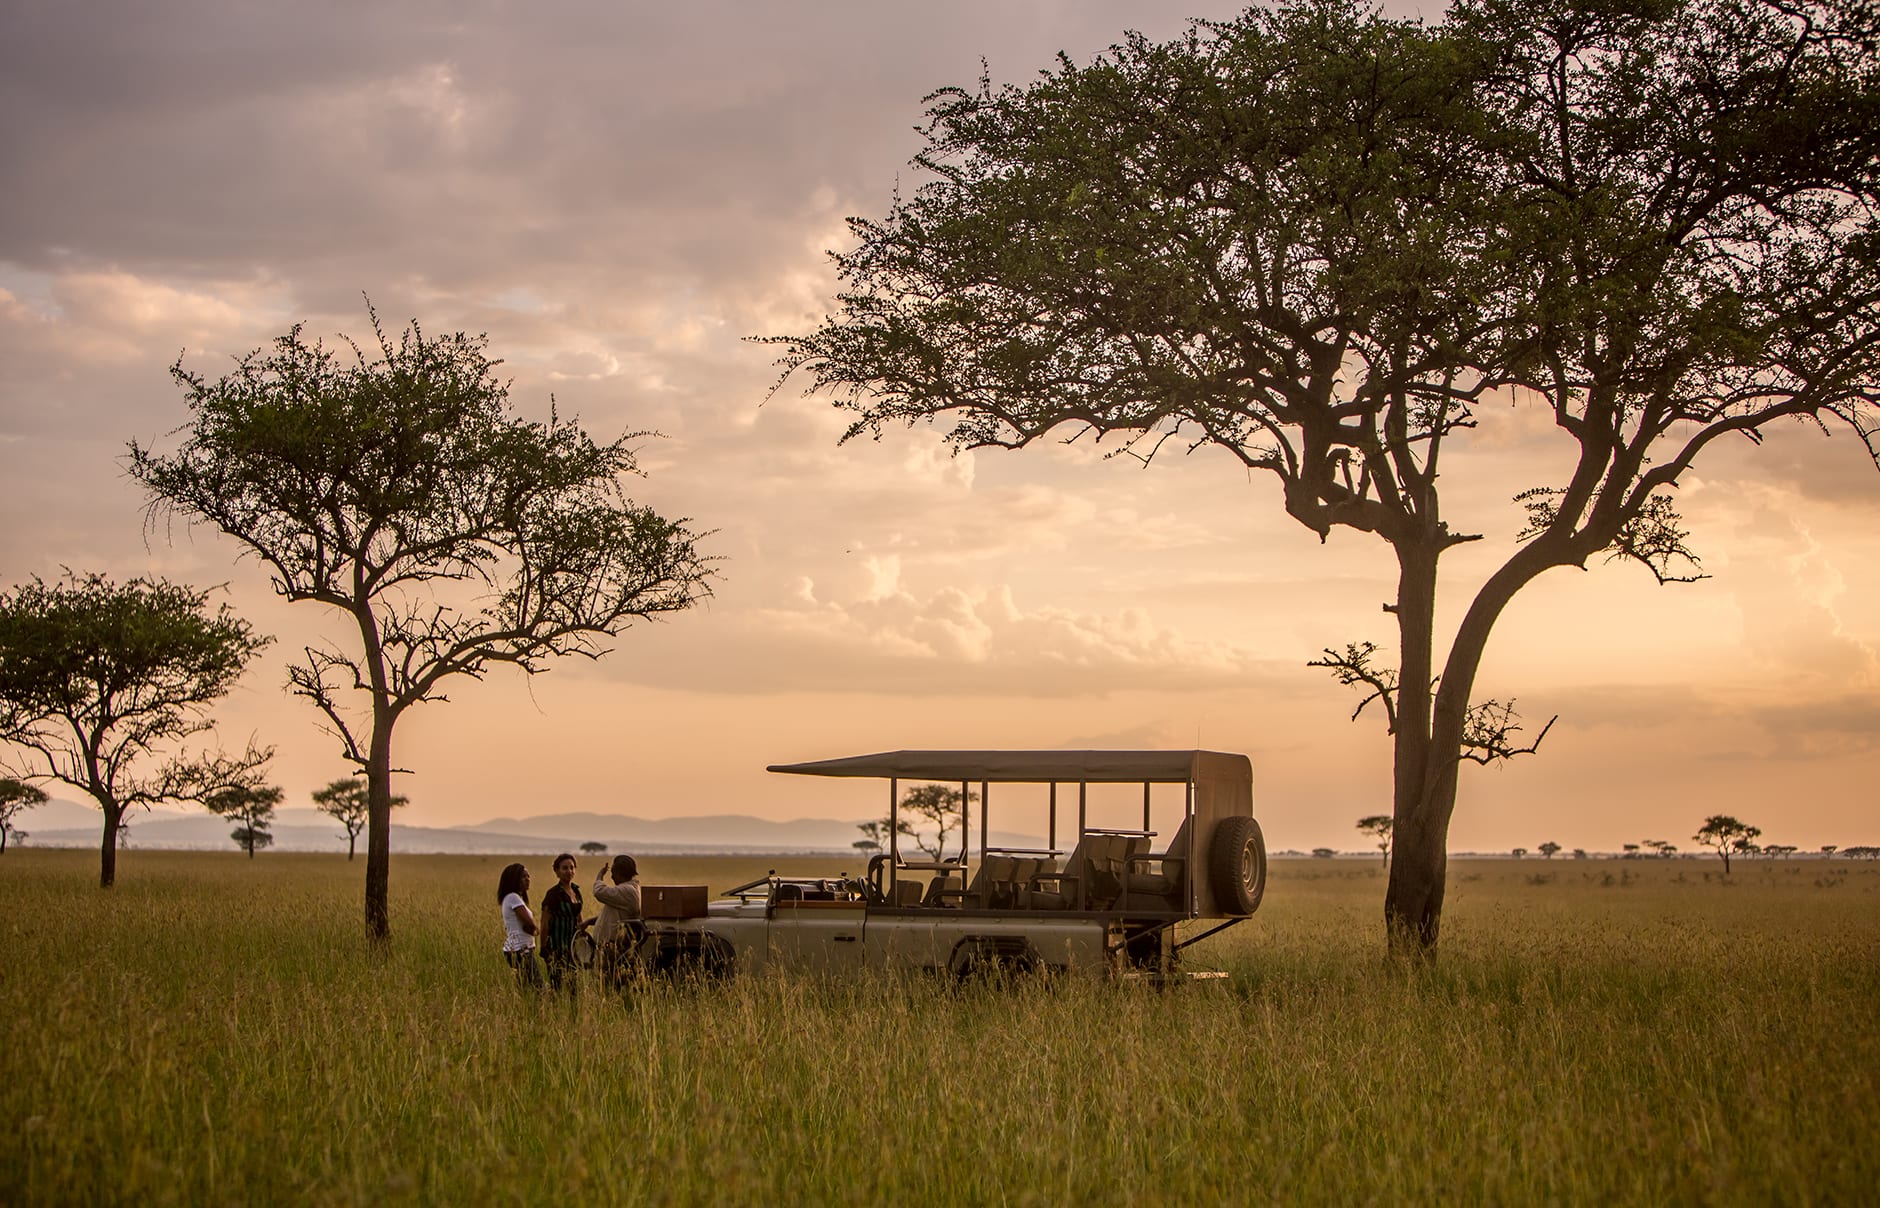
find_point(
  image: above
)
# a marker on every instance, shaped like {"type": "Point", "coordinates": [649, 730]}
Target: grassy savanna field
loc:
{"type": "Point", "coordinates": [217, 1030]}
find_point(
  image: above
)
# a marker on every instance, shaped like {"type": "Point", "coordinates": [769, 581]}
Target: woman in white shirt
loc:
{"type": "Point", "coordinates": [512, 890]}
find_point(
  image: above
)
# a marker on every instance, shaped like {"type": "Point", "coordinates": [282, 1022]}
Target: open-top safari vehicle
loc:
{"type": "Point", "coordinates": [1102, 900]}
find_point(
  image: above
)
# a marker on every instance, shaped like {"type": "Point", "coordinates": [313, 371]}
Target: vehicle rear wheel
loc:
{"type": "Point", "coordinates": [1237, 865]}
{"type": "Point", "coordinates": [992, 959]}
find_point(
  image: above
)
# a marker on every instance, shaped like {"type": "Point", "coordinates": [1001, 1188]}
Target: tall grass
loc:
{"type": "Point", "coordinates": [217, 1030]}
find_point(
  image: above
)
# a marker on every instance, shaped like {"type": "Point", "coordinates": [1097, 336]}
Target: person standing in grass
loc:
{"type": "Point", "coordinates": [519, 928]}
{"type": "Point", "coordinates": [619, 919]}
{"type": "Point", "coordinates": [561, 920]}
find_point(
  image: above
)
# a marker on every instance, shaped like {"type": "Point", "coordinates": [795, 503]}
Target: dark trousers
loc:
{"type": "Point", "coordinates": [527, 969]}
{"type": "Point", "coordinates": [561, 968]}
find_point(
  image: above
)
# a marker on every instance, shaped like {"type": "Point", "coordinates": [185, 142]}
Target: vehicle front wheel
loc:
{"type": "Point", "coordinates": [1237, 865]}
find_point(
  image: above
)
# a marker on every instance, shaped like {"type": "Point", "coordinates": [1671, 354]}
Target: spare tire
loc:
{"type": "Point", "coordinates": [1237, 865]}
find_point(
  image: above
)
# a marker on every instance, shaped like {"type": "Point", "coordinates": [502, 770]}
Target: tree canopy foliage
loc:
{"type": "Point", "coordinates": [396, 486]}
{"type": "Point", "coordinates": [1331, 244]}
{"type": "Point", "coordinates": [101, 680]}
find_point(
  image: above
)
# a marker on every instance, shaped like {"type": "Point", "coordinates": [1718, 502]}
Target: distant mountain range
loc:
{"type": "Point", "coordinates": [61, 823]}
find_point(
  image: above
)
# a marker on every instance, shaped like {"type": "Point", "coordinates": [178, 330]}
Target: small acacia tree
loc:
{"type": "Point", "coordinates": [99, 680]}
{"type": "Point", "coordinates": [15, 796]}
{"type": "Point", "coordinates": [941, 806]}
{"type": "Point", "coordinates": [1725, 834]}
{"type": "Point", "coordinates": [1323, 241]}
{"type": "Point", "coordinates": [397, 489]}
{"type": "Point", "coordinates": [252, 807]}
{"type": "Point", "coordinates": [1378, 827]}
{"type": "Point", "coordinates": [1549, 849]}
{"type": "Point", "coordinates": [345, 801]}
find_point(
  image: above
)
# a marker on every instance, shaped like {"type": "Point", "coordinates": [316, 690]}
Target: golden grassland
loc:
{"type": "Point", "coordinates": [217, 1029]}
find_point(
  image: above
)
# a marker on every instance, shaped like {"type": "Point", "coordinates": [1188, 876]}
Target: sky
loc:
{"type": "Point", "coordinates": [621, 193]}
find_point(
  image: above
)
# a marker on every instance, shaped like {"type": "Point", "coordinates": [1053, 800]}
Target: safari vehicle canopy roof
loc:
{"type": "Point", "coordinates": [1095, 767]}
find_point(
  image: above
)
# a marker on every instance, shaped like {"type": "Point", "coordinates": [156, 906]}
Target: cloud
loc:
{"type": "Point", "coordinates": [883, 639]}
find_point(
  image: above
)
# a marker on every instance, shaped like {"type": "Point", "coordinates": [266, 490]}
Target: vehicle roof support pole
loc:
{"type": "Point", "coordinates": [1082, 872]}
{"type": "Point", "coordinates": [1189, 871]}
{"type": "Point", "coordinates": [985, 803]}
{"type": "Point", "coordinates": [1145, 805]}
{"type": "Point", "coordinates": [1050, 839]}
{"type": "Point", "coordinates": [966, 834]}
{"type": "Point", "coordinates": [894, 833]}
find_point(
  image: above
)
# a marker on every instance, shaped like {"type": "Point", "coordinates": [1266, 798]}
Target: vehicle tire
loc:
{"type": "Point", "coordinates": [982, 960]}
{"type": "Point", "coordinates": [1237, 865]}
{"type": "Point", "coordinates": [691, 958]}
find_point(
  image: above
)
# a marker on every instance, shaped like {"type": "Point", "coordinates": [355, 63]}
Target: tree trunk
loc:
{"type": "Point", "coordinates": [1413, 895]}
{"type": "Point", "coordinates": [1419, 866]}
{"type": "Point", "coordinates": [379, 829]}
{"type": "Point", "coordinates": [107, 857]}
{"type": "Point", "coordinates": [1432, 720]}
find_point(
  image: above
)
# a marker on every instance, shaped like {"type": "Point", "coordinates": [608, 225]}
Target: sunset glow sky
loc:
{"type": "Point", "coordinates": [619, 194]}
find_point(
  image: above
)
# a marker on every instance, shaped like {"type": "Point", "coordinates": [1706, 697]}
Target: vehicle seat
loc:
{"type": "Point", "coordinates": [940, 888]}
{"type": "Point", "coordinates": [908, 891]}
{"type": "Point", "coordinates": [1025, 870]}
{"type": "Point", "coordinates": [1106, 857]}
{"type": "Point", "coordinates": [1161, 874]}
{"type": "Point", "coordinates": [1052, 888]}
{"type": "Point", "coordinates": [992, 882]}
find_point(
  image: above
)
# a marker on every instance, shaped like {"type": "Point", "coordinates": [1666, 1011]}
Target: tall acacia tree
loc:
{"type": "Point", "coordinates": [397, 488]}
{"type": "Point", "coordinates": [99, 680]}
{"type": "Point", "coordinates": [1321, 240]}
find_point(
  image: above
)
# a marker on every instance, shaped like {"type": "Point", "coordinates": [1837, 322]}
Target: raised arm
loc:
{"type": "Point", "coordinates": [625, 896]}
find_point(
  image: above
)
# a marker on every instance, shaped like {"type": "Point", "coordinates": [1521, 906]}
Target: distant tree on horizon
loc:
{"type": "Point", "coordinates": [346, 802]}
{"type": "Point", "coordinates": [1548, 849]}
{"type": "Point", "coordinates": [251, 839]}
{"type": "Point", "coordinates": [99, 680]}
{"type": "Point", "coordinates": [1828, 849]}
{"type": "Point", "coordinates": [16, 796]}
{"type": "Point", "coordinates": [593, 848]}
{"type": "Point", "coordinates": [403, 493]}
{"type": "Point", "coordinates": [1379, 827]}
{"type": "Point", "coordinates": [1725, 833]}
{"type": "Point", "coordinates": [1519, 852]}
{"type": "Point", "coordinates": [1324, 853]}
{"type": "Point", "coordinates": [252, 805]}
